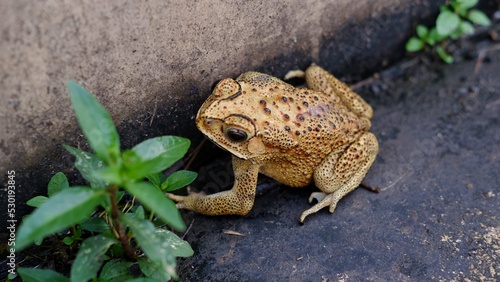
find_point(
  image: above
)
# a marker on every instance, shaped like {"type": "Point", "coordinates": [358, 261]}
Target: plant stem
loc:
{"type": "Point", "coordinates": [115, 214]}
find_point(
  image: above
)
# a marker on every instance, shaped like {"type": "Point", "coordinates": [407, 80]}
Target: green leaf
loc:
{"type": "Point", "coordinates": [64, 209]}
{"type": "Point", "coordinates": [68, 240]}
{"type": "Point", "coordinates": [154, 155]}
{"type": "Point", "coordinates": [40, 275]}
{"type": "Point", "coordinates": [144, 279]}
{"type": "Point", "coordinates": [116, 251]}
{"type": "Point", "coordinates": [95, 224]}
{"type": "Point", "coordinates": [443, 8]}
{"type": "Point", "coordinates": [447, 22]}
{"type": "Point", "coordinates": [461, 6]}
{"type": "Point", "coordinates": [430, 40]}
{"type": "Point", "coordinates": [444, 55]}
{"type": "Point", "coordinates": [414, 44]}
{"type": "Point", "coordinates": [139, 213]}
{"type": "Point", "coordinates": [456, 34]}
{"type": "Point", "coordinates": [178, 180]}
{"type": "Point", "coordinates": [116, 270]}
{"type": "Point", "coordinates": [422, 31]}
{"type": "Point", "coordinates": [180, 248]}
{"type": "Point", "coordinates": [466, 28]}
{"type": "Point", "coordinates": [38, 241]}
{"type": "Point", "coordinates": [156, 179]}
{"type": "Point", "coordinates": [153, 243]}
{"type": "Point", "coordinates": [57, 183]}
{"type": "Point", "coordinates": [152, 270]}
{"type": "Point", "coordinates": [90, 257]}
{"type": "Point", "coordinates": [434, 37]}
{"type": "Point", "coordinates": [77, 231]}
{"type": "Point", "coordinates": [87, 164]}
{"type": "Point", "coordinates": [95, 123]}
{"type": "Point", "coordinates": [478, 17]}
{"type": "Point", "coordinates": [108, 175]}
{"type": "Point", "coordinates": [157, 202]}
{"type": "Point", "coordinates": [36, 201]}
{"type": "Point", "coordinates": [467, 4]}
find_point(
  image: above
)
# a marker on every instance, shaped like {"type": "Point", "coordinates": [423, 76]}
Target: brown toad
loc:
{"type": "Point", "coordinates": [294, 135]}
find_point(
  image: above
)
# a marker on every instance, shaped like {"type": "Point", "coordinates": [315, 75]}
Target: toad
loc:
{"type": "Point", "coordinates": [293, 135]}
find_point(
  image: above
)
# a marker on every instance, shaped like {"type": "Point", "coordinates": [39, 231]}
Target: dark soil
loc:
{"type": "Point", "coordinates": [437, 216]}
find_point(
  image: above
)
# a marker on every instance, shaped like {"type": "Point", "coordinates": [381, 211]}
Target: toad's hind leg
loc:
{"type": "Point", "coordinates": [338, 175]}
{"type": "Point", "coordinates": [321, 80]}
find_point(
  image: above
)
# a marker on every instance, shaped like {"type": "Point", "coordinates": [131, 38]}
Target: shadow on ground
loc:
{"type": "Point", "coordinates": [437, 216]}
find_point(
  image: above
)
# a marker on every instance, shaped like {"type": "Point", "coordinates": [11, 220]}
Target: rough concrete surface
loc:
{"type": "Point", "coordinates": [437, 217]}
{"type": "Point", "coordinates": [135, 55]}
{"type": "Point", "coordinates": [152, 63]}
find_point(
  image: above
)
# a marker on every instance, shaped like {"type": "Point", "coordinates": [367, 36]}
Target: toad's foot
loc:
{"type": "Point", "coordinates": [323, 201]}
{"type": "Point", "coordinates": [226, 202]}
{"type": "Point", "coordinates": [186, 202]}
{"type": "Point", "coordinates": [318, 196]}
{"type": "Point", "coordinates": [294, 74]}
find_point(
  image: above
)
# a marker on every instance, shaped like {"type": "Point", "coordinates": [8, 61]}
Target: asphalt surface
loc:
{"type": "Point", "coordinates": [437, 215]}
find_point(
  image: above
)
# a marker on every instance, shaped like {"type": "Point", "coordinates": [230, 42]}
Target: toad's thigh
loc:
{"type": "Point", "coordinates": [346, 170]}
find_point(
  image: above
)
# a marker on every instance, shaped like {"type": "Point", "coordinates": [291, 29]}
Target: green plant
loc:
{"type": "Point", "coordinates": [119, 233]}
{"type": "Point", "coordinates": [454, 21]}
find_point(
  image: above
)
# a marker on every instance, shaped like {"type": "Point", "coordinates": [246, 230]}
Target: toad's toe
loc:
{"type": "Point", "coordinates": [319, 196]}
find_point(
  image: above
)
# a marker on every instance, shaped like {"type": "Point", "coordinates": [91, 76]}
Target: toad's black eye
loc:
{"type": "Point", "coordinates": [236, 134]}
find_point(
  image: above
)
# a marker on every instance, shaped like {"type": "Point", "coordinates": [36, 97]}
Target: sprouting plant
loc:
{"type": "Point", "coordinates": [455, 20]}
{"type": "Point", "coordinates": [102, 218]}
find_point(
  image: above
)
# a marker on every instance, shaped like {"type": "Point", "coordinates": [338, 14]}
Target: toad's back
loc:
{"type": "Point", "coordinates": [306, 125]}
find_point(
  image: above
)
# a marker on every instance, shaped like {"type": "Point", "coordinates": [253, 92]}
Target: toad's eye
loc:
{"type": "Point", "coordinates": [236, 134]}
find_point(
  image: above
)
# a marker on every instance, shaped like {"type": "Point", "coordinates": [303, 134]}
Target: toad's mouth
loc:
{"type": "Point", "coordinates": [216, 144]}
{"type": "Point", "coordinates": [233, 152]}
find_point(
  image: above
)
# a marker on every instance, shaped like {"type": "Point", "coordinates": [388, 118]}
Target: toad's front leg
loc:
{"type": "Point", "coordinates": [239, 200]}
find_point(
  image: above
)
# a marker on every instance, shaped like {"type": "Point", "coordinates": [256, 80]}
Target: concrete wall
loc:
{"type": "Point", "coordinates": [152, 63]}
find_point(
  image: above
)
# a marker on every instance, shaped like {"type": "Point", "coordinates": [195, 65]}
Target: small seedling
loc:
{"type": "Point", "coordinates": [102, 223]}
{"type": "Point", "coordinates": [455, 20]}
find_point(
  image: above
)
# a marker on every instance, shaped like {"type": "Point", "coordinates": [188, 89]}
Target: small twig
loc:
{"type": "Point", "coordinates": [479, 61]}
{"type": "Point", "coordinates": [195, 153]}
{"type": "Point", "coordinates": [129, 205]}
{"type": "Point", "coordinates": [369, 187]}
{"type": "Point", "coordinates": [362, 83]}
{"type": "Point", "coordinates": [492, 104]}
{"type": "Point", "coordinates": [115, 214]}
{"type": "Point", "coordinates": [154, 111]}
{"type": "Point", "coordinates": [187, 230]}
{"type": "Point", "coordinates": [232, 232]}
{"type": "Point", "coordinates": [482, 54]}
{"type": "Point", "coordinates": [395, 182]}
{"type": "Point", "coordinates": [30, 254]}
{"type": "Point", "coordinates": [493, 34]}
